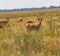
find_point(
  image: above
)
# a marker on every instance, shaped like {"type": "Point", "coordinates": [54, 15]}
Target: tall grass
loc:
{"type": "Point", "coordinates": [16, 41]}
{"type": "Point", "coordinates": [30, 46]}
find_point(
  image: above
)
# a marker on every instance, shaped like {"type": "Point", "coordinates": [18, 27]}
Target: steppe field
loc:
{"type": "Point", "coordinates": [16, 40]}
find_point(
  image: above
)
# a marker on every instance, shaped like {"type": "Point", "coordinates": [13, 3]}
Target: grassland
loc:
{"type": "Point", "coordinates": [16, 41]}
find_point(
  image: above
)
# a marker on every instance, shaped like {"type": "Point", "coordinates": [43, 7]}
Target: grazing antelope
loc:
{"type": "Point", "coordinates": [34, 26]}
{"type": "Point", "coordinates": [20, 19]}
{"type": "Point", "coordinates": [4, 22]}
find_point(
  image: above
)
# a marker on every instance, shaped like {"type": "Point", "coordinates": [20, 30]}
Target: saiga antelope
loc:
{"type": "Point", "coordinates": [34, 26]}
{"type": "Point", "coordinates": [4, 22]}
{"type": "Point", "coordinates": [20, 19]}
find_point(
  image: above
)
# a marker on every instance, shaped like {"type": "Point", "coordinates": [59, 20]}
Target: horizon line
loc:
{"type": "Point", "coordinates": [27, 7]}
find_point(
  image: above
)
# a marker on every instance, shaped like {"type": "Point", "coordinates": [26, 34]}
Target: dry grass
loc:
{"type": "Point", "coordinates": [16, 41]}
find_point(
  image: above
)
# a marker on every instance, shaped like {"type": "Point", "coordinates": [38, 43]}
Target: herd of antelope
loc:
{"type": "Point", "coordinates": [31, 25]}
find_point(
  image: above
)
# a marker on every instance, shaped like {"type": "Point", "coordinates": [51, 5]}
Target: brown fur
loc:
{"type": "Point", "coordinates": [20, 19]}
{"type": "Point", "coordinates": [30, 22]}
{"type": "Point", "coordinates": [4, 22]}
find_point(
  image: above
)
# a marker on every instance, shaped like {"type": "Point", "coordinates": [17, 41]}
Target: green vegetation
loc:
{"type": "Point", "coordinates": [16, 41]}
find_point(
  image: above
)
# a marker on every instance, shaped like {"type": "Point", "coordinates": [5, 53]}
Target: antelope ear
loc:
{"type": "Point", "coordinates": [41, 19]}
